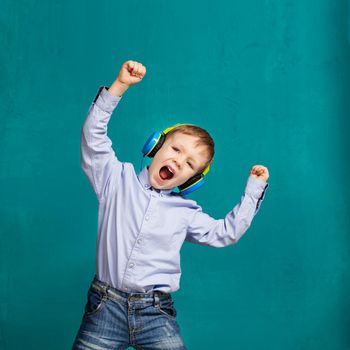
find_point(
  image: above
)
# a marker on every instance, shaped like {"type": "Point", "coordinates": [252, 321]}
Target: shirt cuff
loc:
{"type": "Point", "coordinates": [105, 100]}
{"type": "Point", "coordinates": [256, 187]}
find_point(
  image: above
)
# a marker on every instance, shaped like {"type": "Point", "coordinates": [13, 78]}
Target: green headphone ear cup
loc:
{"type": "Point", "coordinates": [157, 146]}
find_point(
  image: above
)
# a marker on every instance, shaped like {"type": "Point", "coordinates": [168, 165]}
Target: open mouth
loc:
{"type": "Point", "coordinates": [165, 173]}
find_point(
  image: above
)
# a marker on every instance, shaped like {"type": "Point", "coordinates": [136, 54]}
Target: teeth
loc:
{"type": "Point", "coordinates": [170, 170]}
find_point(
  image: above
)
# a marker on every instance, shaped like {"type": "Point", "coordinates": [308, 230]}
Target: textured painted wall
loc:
{"type": "Point", "coordinates": [268, 79]}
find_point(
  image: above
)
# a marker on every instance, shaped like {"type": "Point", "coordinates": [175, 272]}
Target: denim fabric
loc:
{"type": "Point", "coordinates": [115, 319]}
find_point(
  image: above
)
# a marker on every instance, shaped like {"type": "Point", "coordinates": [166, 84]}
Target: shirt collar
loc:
{"type": "Point", "coordinates": [144, 179]}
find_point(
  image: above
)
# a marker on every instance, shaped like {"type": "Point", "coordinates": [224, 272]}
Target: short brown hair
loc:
{"type": "Point", "coordinates": [203, 136]}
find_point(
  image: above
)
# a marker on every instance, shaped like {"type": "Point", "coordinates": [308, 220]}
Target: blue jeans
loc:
{"type": "Point", "coordinates": [115, 319]}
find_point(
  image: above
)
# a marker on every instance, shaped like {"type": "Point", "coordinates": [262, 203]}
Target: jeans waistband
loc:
{"type": "Point", "coordinates": [113, 292]}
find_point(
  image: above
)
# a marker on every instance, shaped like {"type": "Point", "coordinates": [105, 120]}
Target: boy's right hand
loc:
{"type": "Point", "coordinates": [132, 72]}
{"type": "Point", "coordinates": [260, 172]}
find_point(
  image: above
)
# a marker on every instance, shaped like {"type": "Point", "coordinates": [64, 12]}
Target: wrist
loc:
{"type": "Point", "coordinates": [117, 88]}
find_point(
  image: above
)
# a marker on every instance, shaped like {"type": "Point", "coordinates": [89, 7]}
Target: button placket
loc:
{"type": "Point", "coordinates": [149, 209]}
{"type": "Point", "coordinates": [131, 265]}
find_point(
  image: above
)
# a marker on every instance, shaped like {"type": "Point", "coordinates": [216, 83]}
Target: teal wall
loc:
{"type": "Point", "coordinates": [268, 79]}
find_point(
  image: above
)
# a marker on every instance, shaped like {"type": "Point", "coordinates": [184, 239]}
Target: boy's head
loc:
{"type": "Point", "coordinates": [187, 150]}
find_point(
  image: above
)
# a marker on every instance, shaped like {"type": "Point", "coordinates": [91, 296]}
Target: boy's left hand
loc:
{"type": "Point", "coordinates": [260, 172]}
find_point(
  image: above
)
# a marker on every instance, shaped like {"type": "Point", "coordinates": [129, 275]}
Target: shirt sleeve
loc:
{"type": "Point", "coordinates": [205, 230]}
{"type": "Point", "coordinates": [97, 158]}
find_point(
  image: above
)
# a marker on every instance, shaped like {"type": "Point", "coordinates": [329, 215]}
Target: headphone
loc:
{"type": "Point", "coordinates": [152, 146]}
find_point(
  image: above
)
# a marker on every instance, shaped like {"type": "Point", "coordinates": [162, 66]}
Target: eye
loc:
{"type": "Point", "coordinates": [176, 150]}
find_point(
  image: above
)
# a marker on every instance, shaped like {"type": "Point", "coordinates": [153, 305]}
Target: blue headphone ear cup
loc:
{"type": "Point", "coordinates": [149, 143]}
{"type": "Point", "coordinates": [157, 146]}
{"type": "Point", "coordinates": [152, 145]}
{"type": "Point", "coordinates": [191, 182]}
{"type": "Point", "coordinates": [193, 187]}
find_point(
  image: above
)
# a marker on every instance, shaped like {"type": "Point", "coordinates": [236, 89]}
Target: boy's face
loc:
{"type": "Point", "coordinates": [180, 153]}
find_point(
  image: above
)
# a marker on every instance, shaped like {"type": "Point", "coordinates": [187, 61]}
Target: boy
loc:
{"type": "Point", "coordinates": [142, 225]}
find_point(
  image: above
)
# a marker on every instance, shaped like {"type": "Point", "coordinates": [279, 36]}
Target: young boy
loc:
{"type": "Point", "coordinates": [142, 224]}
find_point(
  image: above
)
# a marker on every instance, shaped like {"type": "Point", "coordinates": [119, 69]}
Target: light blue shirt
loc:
{"type": "Point", "coordinates": [141, 229]}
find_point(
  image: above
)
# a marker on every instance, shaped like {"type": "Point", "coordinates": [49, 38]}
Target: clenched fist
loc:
{"type": "Point", "coordinates": [132, 72]}
{"type": "Point", "coordinates": [260, 172]}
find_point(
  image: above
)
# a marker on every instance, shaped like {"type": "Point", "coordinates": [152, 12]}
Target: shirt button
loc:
{"type": "Point", "coordinates": [131, 264]}
{"type": "Point", "coordinates": [147, 217]}
{"type": "Point", "coordinates": [139, 240]}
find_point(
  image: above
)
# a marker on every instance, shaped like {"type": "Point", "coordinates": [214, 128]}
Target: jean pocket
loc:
{"type": "Point", "coordinates": [95, 302]}
{"type": "Point", "coordinates": [166, 307]}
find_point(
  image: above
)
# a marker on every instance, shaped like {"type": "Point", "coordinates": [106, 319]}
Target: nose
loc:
{"type": "Point", "coordinates": [177, 164]}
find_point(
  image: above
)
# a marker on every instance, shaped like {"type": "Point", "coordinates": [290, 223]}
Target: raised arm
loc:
{"type": "Point", "coordinates": [97, 157]}
{"type": "Point", "coordinates": [205, 230]}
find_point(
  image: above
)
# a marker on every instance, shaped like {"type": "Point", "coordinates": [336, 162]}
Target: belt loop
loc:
{"type": "Point", "coordinates": [156, 299]}
{"type": "Point", "coordinates": [105, 288]}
